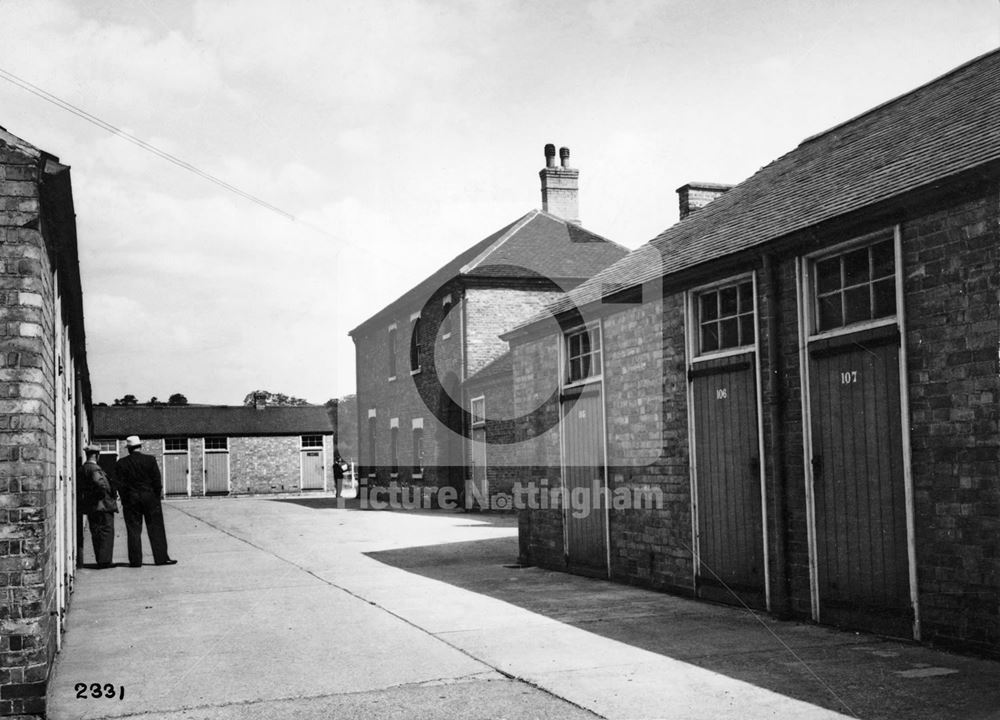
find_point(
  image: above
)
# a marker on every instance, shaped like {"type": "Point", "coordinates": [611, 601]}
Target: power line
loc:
{"type": "Point", "coordinates": [163, 154]}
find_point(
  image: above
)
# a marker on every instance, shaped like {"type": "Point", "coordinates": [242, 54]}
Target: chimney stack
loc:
{"type": "Point", "coordinates": [560, 186]}
{"type": "Point", "coordinates": [260, 400]}
{"type": "Point", "coordinates": [697, 195]}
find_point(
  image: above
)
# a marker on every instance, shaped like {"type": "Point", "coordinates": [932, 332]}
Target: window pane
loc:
{"type": "Point", "coordinates": [746, 330]}
{"type": "Point", "coordinates": [856, 267]}
{"type": "Point", "coordinates": [585, 366]}
{"type": "Point", "coordinates": [727, 301]}
{"type": "Point", "coordinates": [730, 333]}
{"type": "Point", "coordinates": [885, 297]}
{"type": "Point", "coordinates": [857, 305]}
{"type": "Point", "coordinates": [709, 337]}
{"type": "Point", "coordinates": [828, 275]}
{"type": "Point", "coordinates": [595, 340]}
{"type": "Point", "coordinates": [746, 297]}
{"type": "Point", "coordinates": [709, 306]}
{"type": "Point", "coordinates": [574, 369]}
{"type": "Point", "coordinates": [883, 259]}
{"type": "Point", "coordinates": [829, 312]}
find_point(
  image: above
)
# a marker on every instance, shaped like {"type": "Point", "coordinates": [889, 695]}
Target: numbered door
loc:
{"type": "Point", "coordinates": [860, 504]}
{"type": "Point", "coordinates": [175, 473]}
{"type": "Point", "coordinates": [731, 553]}
{"type": "Point", "coordinates": [216, 472]}
{"type": "Point", "coordinates": [583, 474]}
{"type": "Point", "coordinates": [312, 470]}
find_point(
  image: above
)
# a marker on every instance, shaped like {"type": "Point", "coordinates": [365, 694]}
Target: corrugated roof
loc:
{"type": "Point", "coordinates": [119, 421]}
{"type": "Point", "coordinates": [943, 128]}
{"type": "Point", "coordinates": [535, 244]}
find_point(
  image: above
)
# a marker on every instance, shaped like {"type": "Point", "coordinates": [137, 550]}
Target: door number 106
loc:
{"type": "Point", "coordinates": [848, 377]}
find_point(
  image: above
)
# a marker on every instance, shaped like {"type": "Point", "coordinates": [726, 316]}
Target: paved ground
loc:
{"type": "Point", "coordinates": [288, 608]}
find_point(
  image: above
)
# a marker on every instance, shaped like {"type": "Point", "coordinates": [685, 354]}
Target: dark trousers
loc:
{"type": "Point", "coordinates": [145, 506]}
{"type": "Point", "coordinates": [102, 533]}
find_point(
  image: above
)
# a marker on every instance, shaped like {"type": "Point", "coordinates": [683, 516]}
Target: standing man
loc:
{"type": "Point", "coordinates": [98, 499]}
{"type": "Point", "coordinates": [137, 478]}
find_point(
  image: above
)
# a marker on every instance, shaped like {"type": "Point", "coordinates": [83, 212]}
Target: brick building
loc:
{"type": "Point", "coordinates": [223, 450]}
{"type": "Point", "coordinates": [802, 374]}
{"type": "Point", "coordinates": [44, 416]}
{"type": "Point", "coordinates": [415, 355]}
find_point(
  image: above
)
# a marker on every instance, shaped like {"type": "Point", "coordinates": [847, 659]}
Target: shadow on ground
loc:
{"type": "Point", "coordinates": [855, 674]}
{"type": "Point", "coordinates": [477, 519]}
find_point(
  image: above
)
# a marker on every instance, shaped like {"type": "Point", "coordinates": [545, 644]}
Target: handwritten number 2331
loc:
{"type": "Point", "coordinates": [97, 690]}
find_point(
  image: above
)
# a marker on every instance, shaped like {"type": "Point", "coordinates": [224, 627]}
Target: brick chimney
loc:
{"type": "Point", "coordinates": [560, 186]}
{"type": "Point", "coordinates": [260, 400]}
{"type": "Point", "coordinates": [697, 195]}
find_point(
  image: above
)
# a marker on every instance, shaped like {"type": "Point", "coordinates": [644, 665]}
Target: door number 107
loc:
{"type": "Point", "coordinates": [848, 377]}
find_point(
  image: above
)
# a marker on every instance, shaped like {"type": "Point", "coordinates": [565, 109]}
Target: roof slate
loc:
{"type": "Point", "coordinates": [945, 127]}
{"type": "Point", "coordinates": [195, 421]}
{"type": "Point", "coordinates": [535, 244]}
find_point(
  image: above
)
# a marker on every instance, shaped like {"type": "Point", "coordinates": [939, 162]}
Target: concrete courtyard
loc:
{"type": "Point", "coordinates": [301, 607]}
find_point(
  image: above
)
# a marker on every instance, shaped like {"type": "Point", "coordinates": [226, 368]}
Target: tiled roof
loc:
{"type": "Point", "coordinates": [943, 128]}
{"type": "Point", "coordinates": [199, 420]}
{"type": "Point", "coordinates": [536, 244]}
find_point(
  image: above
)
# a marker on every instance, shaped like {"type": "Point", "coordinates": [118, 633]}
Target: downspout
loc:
{"type": "Point", "coordinates": [781, 591]}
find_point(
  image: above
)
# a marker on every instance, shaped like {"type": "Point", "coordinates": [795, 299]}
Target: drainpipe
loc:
{"type": "Point", "coordinates": [781, 590]}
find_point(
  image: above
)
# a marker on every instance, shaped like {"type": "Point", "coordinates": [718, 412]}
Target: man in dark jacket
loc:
{"type": "Point", "coordinates": [98, 500]}
{"type": "Point", "coordinates": [137, 479]}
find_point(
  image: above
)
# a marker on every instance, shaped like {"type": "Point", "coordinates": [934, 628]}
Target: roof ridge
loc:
{"type": "Point", "coordinates": [496, 244]}
{"type": "Point", "coordinates": [581, 227]}
{"type": "Point", "coordinates": [899, 97]}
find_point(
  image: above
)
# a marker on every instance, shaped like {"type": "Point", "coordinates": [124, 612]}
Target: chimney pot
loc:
{"type": "Point", "coordinates": [260, 400]}
{"type": "Point", "coordinates": [550, 155]}
{"type": "Point", "coordinates": [564, 156]}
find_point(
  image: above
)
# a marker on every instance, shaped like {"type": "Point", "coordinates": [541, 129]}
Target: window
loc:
{"type": "Point", "coordinates": [108, 446]}
{"type": "Point", "coordinates": [175, 445]}
{"type": "Point", "coordinates": [726, 317]}
{"type": "Point", "coordinates": [216, 443]}
{"type": "Point", "coordinates": [371, 444]}
{"type": "Point", "coordinates": [583, 354]}
{"type": "Point", "coordinates": [446, 322]}
{"type": "Point", "coordinates": [415, 347]}
{"type": "Point", "coordinates": [418, 452]}
{"type": "Point", "coordinates": [392, 352]}
{"type": "Point", "coordinates": [312, 441]}
{"type": "Point", "coordinates": [394, 450]}
{"type": "Point", "coordinates": [478, 411]}
{"type": "Point", "coordinates": [855, 286]}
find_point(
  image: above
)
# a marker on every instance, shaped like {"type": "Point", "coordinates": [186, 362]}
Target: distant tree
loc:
{"type": "Point", "coordinates": [153, 401]}
{"type": "Point", "coordinates": [127, 400]}
{"type": "Point", "coordinates": [274, 399]}
{"type": "Point", "coordinates": [177, 399]}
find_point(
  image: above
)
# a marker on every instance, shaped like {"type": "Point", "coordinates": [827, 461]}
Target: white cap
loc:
{"type": "Point", "coordinates": [133, 441]}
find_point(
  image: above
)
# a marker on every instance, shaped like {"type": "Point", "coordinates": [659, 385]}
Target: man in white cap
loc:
{"type": "Point", "coordinates": [98, 502]}
{"type": "Point", "coordinates": [137, 479]}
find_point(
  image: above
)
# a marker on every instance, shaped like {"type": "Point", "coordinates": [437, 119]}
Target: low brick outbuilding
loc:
{"type": "Point", "coordinates": [44, 417]}
{"type": "Point", "coordinates": [802, 374]}
{"type": "Point", "coordinates": [222, 450]}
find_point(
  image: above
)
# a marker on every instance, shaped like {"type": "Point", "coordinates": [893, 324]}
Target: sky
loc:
{"type": "Point", "coordinates": [394, 135]}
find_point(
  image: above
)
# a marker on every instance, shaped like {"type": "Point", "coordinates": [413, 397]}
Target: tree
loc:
{"type": "Point", "coordinates": [127, 400]}
{"type": "Point", "coordinates": [153, 401]}
{"type": "Point", "coordinates": [274, 399]}
{"type": "Point", "coordinates": [177, 399]}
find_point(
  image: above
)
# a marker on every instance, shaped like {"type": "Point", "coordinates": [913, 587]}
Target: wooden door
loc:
{"type": "Point", "coordinates": [175, 473]}
{"type": "Point", "coordinates": [312, 469]}
{"type": "Point", "coordinates": [860, 500]}
{"type": "Point", "coordinates": [216, 472]}
{"type": "Point", "coordinates": [731, 553]}
{"type": "Point", "coordinates": [583, 474]}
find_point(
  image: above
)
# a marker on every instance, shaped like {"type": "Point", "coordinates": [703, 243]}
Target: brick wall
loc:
{"type": "Point", "coordinates": [35, 570]}
{"type": "Point", "coordinates": [951, 259]}
{"type": "Point", "coordinates": [411, 395]}
{"type": "Point", "coordinates": [264, 464]}
{"type": "Point", "coordinates": [491, 312]}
